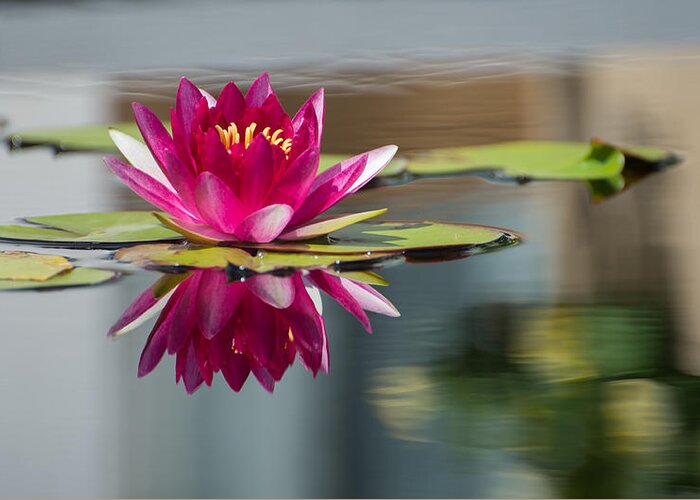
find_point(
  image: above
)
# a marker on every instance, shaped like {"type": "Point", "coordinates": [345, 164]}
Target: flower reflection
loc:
{"type": "Point", "coordinates": [257, 325]}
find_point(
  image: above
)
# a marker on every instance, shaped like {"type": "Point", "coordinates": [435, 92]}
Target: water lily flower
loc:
{"type": "Point", "coordinates": [258, 325]}
{"type": "Point", "coordinates": [239, 168]}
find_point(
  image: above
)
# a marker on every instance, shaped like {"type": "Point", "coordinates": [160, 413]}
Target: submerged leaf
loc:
{"type": "Point", "coordinates": [90, 230]}
{"type": "Point", "coordinates": [28, 266]}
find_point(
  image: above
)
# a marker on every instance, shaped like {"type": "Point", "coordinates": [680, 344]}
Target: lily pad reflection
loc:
{"type": "Point", "coordinates": [29, 271]}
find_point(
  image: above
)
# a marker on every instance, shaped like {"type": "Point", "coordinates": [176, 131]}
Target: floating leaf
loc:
{"type": "Point", "coordinates": [69, 139]}
{"type": "Point", "coordinates": [360, 246]}
{"type": "Point", "coordinates": [119, 229]}
{"type": "Point", "coordinates": [26, 266]}
{"type": "Point", "coordinates": [96, 139]}
{"type": "Point", "coordinates": [79, 276]}
{"type": "Point", "coordinates": [90, 230]}
{"type": "Point", "coordinates": [606, 168]}
{"type": "Point", "coordinates": [399, 237]}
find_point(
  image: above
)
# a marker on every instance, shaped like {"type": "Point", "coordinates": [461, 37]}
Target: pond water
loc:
{"type": "Point", "coordinates": [567, 366]}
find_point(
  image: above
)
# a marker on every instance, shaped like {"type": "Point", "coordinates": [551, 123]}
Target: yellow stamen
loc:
{"type": "Point", "coordinates": [274, 137]}
{"type": "Point", "coordinates": [249, 133]}
{"type": "Point", "coordinates": [290, 335]}
{"type": "Point", "coordinates": [230, 136]}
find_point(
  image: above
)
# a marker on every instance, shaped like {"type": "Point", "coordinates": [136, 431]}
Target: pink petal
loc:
{"type": "Point", "coordinates": [141, 310]}
{"type": "Point", "coordinates": [182, 179]}
{"type": "Point", "coordinates": [148, 188]}
{"type": "Point", "coordinates": [200, 349]}
{"type": "Point", "coordinates": [277, 291]}
{"type": "Point", "coordinates": [154, 132]}
{"type": "Point", "coordinates": [264, 225]}
{"type": "Point", "coordinates": [370, 299]}
{"type": "Point", "coordinates": [275, 115]}
{"type": "Point", "coordinates": [376, 161]}
{"type": "Point", "coordinates": [323, 194]}
{"type": "Point", "coordinates": [259, 91]}
{"type": "Point", "coordinates": [235, 370]}
{"type": "Point", "coordinates": [306, 133]}
{"type": "Point", "coordinates": [182, 141]}
{"type": "Point", "coordinates": [216, 203]}
{"type": "Point", "coordinates": [211, 100]}
{"type": "Point", "coordinates": [217, 301]}
{"type": "Point", "coordinates": [153, 351]}
{"type": "Point", "coordinates": [265, 379]}
{"type": "Point", "coordinates": [328, 225]}
{"type": "Point", "coordinates": [292, 188]}
{"type": "Point", "coordinates": [215, 158]}
{"type": "Point", "coordinates": [256, 170]}
{"type": "Point", "coordinates": [189, 369]}
{"type": "Point", "coordinates": [304, 320]}
{"type": "Point", "coordinates": [138, 154]}
{"type": "Point", "coordinates": [315, 102]}
{"type": "Point", "coordinates": [184, 320]}
{"type": "Point", "coordinates": [158, 339]}
{"type": "Point", "coordinates": [164, 151]}
{"type": "Point", "coordinates": [231, 102]}
{"type": "Point", "coordinates": [258, 322]}
{"type": "Point", "coordinates": [333, 287]}
{"type": "Point", "coordinates": [341, 180]}
{"type": "Point", "coordinates": [315, 360]}
{"type": "Point", "coordinates": [186, 104]}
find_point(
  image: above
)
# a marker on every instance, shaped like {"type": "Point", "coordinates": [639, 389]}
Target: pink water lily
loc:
{"type": "Point", "coordinates": [239, 168]}
{"type": "Point", "coordinates": [254, 326]}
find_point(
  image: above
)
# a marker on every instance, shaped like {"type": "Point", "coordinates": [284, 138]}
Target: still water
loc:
{"type": "Point", "coordinates": [567, 366]}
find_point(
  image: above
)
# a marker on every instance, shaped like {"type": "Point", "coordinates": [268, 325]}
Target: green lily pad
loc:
{"type": "Point", "coordinates": [401, 237]}
{"type": "Point", "coordinates": [606, 168]}
{"type": "Point", "coordinates": [79, 276]}
{"type": "Point", "coordinates": [362, 246]}
{"type": "Point", "coordinates": [90, 230]}
{"type": "Point", "coordinates": [26, 266]}
{"type": "Point", "coordinates": [524, 160]}
{"type": "Point", "coordinates": [90, 138]}
{"type": "Point", "coordinates": [119, 229]}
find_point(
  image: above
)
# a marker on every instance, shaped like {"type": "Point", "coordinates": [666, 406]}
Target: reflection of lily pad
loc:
{"type": "Point", "coordinates": [27, 266]}
{"type": "Point", "coordinates": [25, 270]}
{"type": "Point", "coordinates": [79, 276]}
{"type": "Point", "coordinates": [90, 230]}
{"type": "Point", "coordinates": [607, 168]}
{"type": "Point", "coordinates": [166, 256]}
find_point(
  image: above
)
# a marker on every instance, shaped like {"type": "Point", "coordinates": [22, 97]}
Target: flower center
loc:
{"type": "Point", "coordinates": [230, 136]}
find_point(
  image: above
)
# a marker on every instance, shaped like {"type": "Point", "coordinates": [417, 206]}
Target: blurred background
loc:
{"type": "Point", "coordinates": [565, 367]}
